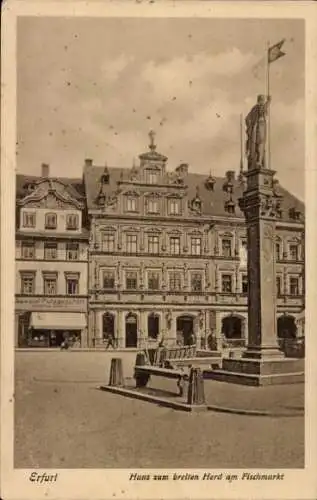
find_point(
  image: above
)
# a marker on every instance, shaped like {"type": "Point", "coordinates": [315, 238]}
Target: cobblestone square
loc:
{"type": "Point", "coordinates": [63, 421]}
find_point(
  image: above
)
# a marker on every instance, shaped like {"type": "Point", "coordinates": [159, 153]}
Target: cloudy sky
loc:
{"type": "Point", "coordinates": [93, 88]}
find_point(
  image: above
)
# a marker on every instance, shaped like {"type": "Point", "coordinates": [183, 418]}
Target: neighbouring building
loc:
{"type": "Point", "coordinates": [51, 260]}
{"type": "Point", "coordinates": [168, 252]}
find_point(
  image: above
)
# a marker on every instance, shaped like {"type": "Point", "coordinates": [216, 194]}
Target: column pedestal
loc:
{"type": "Point", "coordinates": [262, 363]}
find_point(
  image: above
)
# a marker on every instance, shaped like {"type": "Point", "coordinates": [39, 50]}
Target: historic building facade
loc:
{"type": "Point", "coordinates": [167, 256]}
{"type": "Point", "coordinates": [51, 261]}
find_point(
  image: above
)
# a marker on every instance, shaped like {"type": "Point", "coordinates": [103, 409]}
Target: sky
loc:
{"type": "Point", "coordinates": [95, 87]}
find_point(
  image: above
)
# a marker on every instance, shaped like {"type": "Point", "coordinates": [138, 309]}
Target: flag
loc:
{"type": "Point", "coordinates": [275, 51]}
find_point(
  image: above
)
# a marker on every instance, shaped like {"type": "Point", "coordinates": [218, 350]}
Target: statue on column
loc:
{"type": "Point", "coordinates": [256, 124]}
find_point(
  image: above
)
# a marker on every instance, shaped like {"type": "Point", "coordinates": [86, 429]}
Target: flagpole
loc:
{"type": "Point", "coordinates": [268, 142]}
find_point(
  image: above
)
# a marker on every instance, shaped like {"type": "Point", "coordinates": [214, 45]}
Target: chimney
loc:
{"type": "Point", "coordinates": [88, 162]}
{"type": "Point", "coordinates": [45, 170]}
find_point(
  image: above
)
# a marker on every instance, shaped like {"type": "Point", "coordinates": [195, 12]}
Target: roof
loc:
{"type": "Point", "coordinates": [77, 185]}
{"type": "Point", "coordinates": [213, 201]}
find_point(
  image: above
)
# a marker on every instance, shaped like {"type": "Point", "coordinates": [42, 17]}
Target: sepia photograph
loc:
{"type": "Point", "coordinates": [158, 238]}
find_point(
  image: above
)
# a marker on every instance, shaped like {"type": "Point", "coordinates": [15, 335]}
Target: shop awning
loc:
{"type": "Point", "coordinates": [57, 321]}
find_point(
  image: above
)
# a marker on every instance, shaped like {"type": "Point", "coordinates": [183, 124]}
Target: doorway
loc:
{"type": "Point", "coordinates": [286, 327]}
{"type": "Point", "coordinates": [131, 330]}
{"type": "Point", "coordinates": [185, 329]}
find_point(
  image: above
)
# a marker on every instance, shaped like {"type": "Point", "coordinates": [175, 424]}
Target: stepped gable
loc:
{"type": "Point", "coordinates": [213, 201]}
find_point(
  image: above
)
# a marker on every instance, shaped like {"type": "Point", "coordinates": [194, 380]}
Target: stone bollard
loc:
{"type": "Point", "coordinates": [196, 393]}
{"type": "Point", "coordinates": [116, 373]}
{"type": "Point", "coordinates": [141, 379]}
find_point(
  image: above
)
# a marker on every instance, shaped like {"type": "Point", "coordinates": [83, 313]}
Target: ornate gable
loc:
{"type": "Point", "coordinates": [53, 194]}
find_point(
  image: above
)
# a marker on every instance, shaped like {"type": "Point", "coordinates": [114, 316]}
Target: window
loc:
{"type": "Point", "coordinates": [196, 246]}
{"type": "Point", "coordinates": [29, 219]}
{"type": "Point", "coordinates": [108, 242]}
{"type": "Point", "coordinates": [293, 286]}
{"type": "Point", "coordinates": [72, 221]}
{"type": "Point", "coordinates": [72, 251]}
{"type": "Point", "coordinates": [196, 282]}
{"type": "Point", "coordinates": [226, 247]}
{"type": "Point", "coordinates": [153, 244]}
{"type": "Point", "coordinates": [50, 284]}
{"type": "Point", "coordinates": [153, 206]}
{"type": "Point", "coordinates": [50, 251]}
{"type": "Point", "coordinates": [278, 286]}
{"type": "Point", "coordinates": [174, 207]}
{"type": "Point", "coordinates": [293, 252]}
{"type": "Point", "coordinates": [131, 204]}
{"type": "Point", "coordinates": [131, 280]}
{"type": "Point", "coordinates": [27, 283]}
{"type": "Point", "coordinates": [50, 221]}
{"type": "Point", "coordinates": [245, 284]}
{"type": "Point", "coordinates": [108, 280]}
{"type": "Point", "coordinates": [132, 243]}
{"type": "Point", "coordinates": [153, 280]}
{"type": "Point", "coordinates": [28, 250]}
{"type": "Point", "coordinates": [174, 245]}
{"type": "Point", "coordinates": [226, 283]}
{"type": "Point", "coordinates": [175, 281]}
{"type": "Point", "coordinates": [152, 177]}
{"type": "Point", "coordinates": [278, 251]}
{"type": "Point", "coordinates": [153, 327]}
{"type": "Point", "coordinates": [72, 284]}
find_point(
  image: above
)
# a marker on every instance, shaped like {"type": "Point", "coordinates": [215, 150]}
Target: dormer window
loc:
{"type": "Point", "coordinates": [131, 204]}
{"type": "Point", "coordinates": [152, 177]}
{"type": "Point", "coordinates": [294, 214]}
{"type": "Point", "coordinates": [50, 221]}
{"type": "Point", "coordinates": [72, 222]}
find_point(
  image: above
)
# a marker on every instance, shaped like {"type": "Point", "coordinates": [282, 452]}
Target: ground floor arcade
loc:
{"type": "Point", "coordinates": [207, 328]}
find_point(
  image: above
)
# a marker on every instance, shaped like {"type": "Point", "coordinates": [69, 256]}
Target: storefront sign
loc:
{"type": "Point", "coordinates": [51, 303]}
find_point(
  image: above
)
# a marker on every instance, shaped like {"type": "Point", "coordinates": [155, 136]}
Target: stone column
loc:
{"type": "Point", "coordinates": [260, 205]}
{"type": "Point", "coordinates": [120, 333]}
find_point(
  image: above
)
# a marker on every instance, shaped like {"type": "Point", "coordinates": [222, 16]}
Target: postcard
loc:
{"type": "Point", "coordinates": [158, 256]}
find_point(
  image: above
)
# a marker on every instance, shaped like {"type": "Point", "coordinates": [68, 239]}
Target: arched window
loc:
{"type": "Point", "coordinates": [153, 325]}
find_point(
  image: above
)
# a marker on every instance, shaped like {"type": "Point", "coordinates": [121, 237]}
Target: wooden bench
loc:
{"type": "Point", "coordinates": [143, 373]}
{"type": "Point", "coordinates": [173, 363]}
